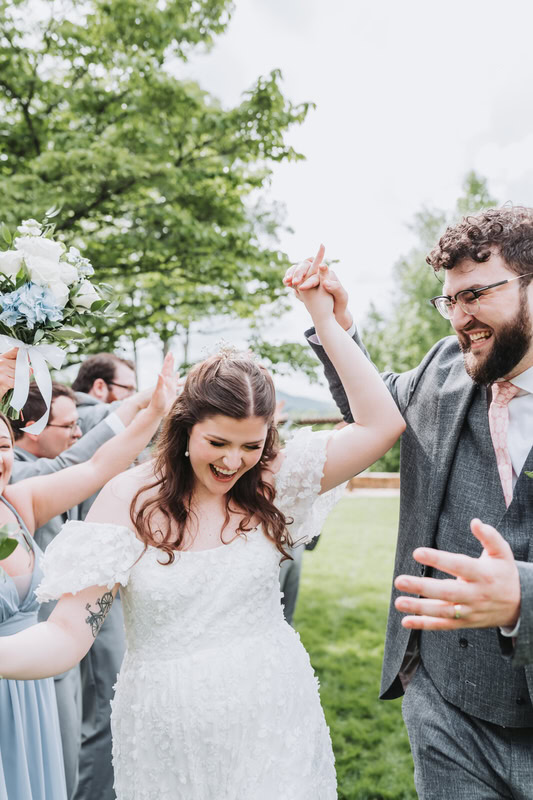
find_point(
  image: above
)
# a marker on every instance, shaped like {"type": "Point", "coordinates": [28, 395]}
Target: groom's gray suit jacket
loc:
{"type": "Point", "coordinates": [448, 476]}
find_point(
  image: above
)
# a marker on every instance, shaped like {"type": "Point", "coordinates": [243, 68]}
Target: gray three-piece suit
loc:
{"type": "Point", "coordinates": [470, 700]}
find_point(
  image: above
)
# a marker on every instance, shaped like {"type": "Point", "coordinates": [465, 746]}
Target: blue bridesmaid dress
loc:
{"type": "Point", "coordinates": [31, 757]}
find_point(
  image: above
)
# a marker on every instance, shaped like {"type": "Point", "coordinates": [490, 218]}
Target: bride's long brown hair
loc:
{"type": "Point", "coordinates": [234, 385]}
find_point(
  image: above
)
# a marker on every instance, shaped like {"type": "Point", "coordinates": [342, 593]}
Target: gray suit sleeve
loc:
{"type": "Point", "coordinates": [90, 416]}
{"type": "Point", "coordinates": [399, 385]}
{"type": "Point", "coordinates": [523, 651]}
{"type": "Point", "coordinates": [77, 454]}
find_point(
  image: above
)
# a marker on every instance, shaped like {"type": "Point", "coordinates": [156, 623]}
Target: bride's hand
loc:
{"type": "Point", "coordinates": [166, 388]}
{"type": "Point", "coordinates": [317, 300]}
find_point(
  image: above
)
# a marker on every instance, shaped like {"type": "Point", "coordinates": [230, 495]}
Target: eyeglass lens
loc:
{"type": "Point", "coordinates": [467, 301]}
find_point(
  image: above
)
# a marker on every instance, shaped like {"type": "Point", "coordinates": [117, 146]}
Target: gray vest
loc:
{"type": "Point", "coordinates": [467, 666]}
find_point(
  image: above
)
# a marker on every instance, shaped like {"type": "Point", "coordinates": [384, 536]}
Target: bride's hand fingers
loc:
{"type": "Point", "coordinates": [310, 283]}
{"type": "Point", "coordinates": [302, 271]}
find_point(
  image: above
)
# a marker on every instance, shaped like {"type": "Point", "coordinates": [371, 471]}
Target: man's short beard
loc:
{"type": "Point", "coordinates": [509, 346]}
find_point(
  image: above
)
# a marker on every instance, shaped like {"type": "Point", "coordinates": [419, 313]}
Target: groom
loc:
{"type": "Point", "coordinates": [464, 654]}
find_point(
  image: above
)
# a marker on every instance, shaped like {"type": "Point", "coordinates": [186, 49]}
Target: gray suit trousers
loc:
{"type": "Point", "coordinates": [462, 757]}
{"type": "Point", "coordinates": [99, 670]}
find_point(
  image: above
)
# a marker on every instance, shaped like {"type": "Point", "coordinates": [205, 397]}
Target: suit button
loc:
{"type": "Point", "coordinates": [520, 701]}
{"type": "Point", "coordinates": [463, 642]}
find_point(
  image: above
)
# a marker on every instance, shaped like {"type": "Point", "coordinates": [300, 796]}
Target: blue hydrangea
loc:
{"type": "Point", "coordinates": [30, 304]}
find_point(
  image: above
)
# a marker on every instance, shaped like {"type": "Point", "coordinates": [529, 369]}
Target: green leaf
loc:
{"type": "Point", "coordinates": [99, 305]}
{"type": "Point", "coordinates": [38, 336]}
{"type": "Point", "coordinates": [7, 546]}
{"type": "Point", "coordinates": [68, 333]}
{"type": "Point", "coordinates": [6, 233]}
{"type": "Point", "coordinates": [529, 474]}
{"type": "Point", "coordinates": [52, 212]}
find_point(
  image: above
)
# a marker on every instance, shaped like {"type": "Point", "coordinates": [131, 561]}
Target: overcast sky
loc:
{"type": "Point", "coordinates": [409, 97]}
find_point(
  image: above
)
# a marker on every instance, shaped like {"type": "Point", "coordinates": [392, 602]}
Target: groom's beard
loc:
{"type": "Point", "coordinates": [509, 346]}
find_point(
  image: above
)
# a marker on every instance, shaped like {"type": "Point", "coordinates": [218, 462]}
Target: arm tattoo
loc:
{"type": "Point", "coordinates": [96, 618]}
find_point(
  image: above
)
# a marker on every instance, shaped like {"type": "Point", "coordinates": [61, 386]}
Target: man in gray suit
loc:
{"type": "Point", "coordinates": [464, 654]}
{"type": "Point", "coordinates": [103, 382]}
{"type": "Point", "coordinates": [57, 447]}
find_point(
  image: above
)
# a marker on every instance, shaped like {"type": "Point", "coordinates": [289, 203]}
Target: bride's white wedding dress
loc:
{"type": "Point", "coordinates": [216, 698]}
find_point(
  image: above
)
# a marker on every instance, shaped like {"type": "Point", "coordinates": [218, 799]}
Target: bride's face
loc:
{"type": "Point", "coordinates": [221, 449]}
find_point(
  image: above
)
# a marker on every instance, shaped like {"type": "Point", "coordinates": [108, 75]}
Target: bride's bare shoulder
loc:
{"type": "Point", "coordinates": [126, 485]}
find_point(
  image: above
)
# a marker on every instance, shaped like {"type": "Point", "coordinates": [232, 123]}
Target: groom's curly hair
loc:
{"type": "Point", "coordinates": [233, 385]}
{"type": "Point", "coordinates": [507, 231]}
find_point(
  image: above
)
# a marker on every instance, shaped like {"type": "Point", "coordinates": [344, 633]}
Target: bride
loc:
{"type": "Point", "coordinates": [216, 698]}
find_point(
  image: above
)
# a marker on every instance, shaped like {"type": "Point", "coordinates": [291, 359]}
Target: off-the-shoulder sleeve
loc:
{"type": "Point", "coordinates": [298, 484]}
{"type": "Point", "coordinates": [87, 554]}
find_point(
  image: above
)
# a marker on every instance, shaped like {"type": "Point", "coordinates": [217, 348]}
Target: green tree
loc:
{"type": "Point", "coordinates": [157, 183]}
{"type": "Point", "coordinates": [399, 340]}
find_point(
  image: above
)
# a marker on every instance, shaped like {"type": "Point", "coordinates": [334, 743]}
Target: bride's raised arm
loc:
{"type": "Point", "coordinates": [377, 421]}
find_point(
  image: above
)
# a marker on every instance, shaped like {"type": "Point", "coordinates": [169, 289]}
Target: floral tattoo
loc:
{"type": "Point", "coordinates": [96, 618]}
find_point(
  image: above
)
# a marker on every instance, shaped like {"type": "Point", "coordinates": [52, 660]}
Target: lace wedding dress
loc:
{"type": "Point", "coordinates": [216, 698]}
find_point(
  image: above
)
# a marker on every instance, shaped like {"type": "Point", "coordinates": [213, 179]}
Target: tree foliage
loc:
{"type": "Point", "coordinates": [399, 340]}
{"type": "Point", "coordinates": [157, 182]}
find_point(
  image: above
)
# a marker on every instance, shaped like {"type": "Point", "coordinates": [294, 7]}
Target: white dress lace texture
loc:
{"type": "Point", "coordinates": [216, 698]}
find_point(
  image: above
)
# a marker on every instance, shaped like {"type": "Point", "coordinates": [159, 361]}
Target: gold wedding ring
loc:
{"type": "Point", "coordinates": [457, 610]}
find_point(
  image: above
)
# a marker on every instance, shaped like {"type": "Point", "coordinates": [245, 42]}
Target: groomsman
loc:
{"type": "Point", "coordinates": [463, 655]}
{"type": "Point", "coordinates": [103, 383]}
{"type": "Point", "coordinates": [60, 445]}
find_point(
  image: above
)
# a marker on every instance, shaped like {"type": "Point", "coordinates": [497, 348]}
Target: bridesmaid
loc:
{"type": "Point", "coordinates": [31, 759]}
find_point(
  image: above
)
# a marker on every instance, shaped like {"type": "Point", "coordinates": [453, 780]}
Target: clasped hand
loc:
{"type": "Point", "coordinates": [312, 273]}
{"type": "Point", "coordinates": [484, 594]}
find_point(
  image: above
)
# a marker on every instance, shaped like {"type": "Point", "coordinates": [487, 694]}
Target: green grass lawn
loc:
{"type": "Point", "coordinates": [341, 616]}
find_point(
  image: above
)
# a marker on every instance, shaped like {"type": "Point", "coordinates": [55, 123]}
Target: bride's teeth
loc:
{"type": "Point", "coordinates": [223, 472]}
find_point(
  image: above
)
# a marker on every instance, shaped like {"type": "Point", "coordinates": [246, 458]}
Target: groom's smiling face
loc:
{"type": "Point", "coordinates": [496, 341]}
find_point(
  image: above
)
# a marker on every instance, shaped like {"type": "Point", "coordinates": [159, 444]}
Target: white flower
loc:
{"type": "Point", "coordinates": [83, 265]}
{"type": "Point", "coordinates": [42, 258]}
{"type": "Point", "coordinates": [86, 296]}
{"type": "Point", "coordinates": [60, 291]}
{"type": "Point", "coordinates": [68, 273]}
{"type": "Point", "coordinates": [10, 263]}
{"type": "Point", "coordinates": [30, 227]}
{"type": "Point", "coordinates": [73, 255]}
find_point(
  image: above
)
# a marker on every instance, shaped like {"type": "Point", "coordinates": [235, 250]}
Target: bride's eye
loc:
{"type": "Point", "coordinates": [217, 444]}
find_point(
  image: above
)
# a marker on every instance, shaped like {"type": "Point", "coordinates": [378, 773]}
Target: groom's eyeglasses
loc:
{"type": "Point", "coordinates": [467, 299]}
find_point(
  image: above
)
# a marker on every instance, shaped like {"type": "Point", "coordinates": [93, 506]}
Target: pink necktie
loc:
{"type": "Point", "coordinates": [502, 393]}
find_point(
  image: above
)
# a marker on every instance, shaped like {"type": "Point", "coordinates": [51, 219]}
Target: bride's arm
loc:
{"type": "Point", "coordinates": [58, 644]}
{"type": "Point", "coordinates": [377, 421]}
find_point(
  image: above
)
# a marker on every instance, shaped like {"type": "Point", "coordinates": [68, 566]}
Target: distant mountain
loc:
{"type": "Point", "coordinates": [306, 406]}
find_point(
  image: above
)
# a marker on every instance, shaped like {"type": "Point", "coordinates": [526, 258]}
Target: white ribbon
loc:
{"type": "Point", "coordinates": [37, 355]}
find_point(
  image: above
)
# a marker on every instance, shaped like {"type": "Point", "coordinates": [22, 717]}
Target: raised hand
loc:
{"type": "Point", "coordinates": [309, 274]}
{"type": "Point", "coordinates": [318, 302]}
{"type": "Point", "coordinates": [166, 388]}
{"type": "Point", "coordinates": [8, 362]}
{"type": "Point", "coordinates": [484, 594]}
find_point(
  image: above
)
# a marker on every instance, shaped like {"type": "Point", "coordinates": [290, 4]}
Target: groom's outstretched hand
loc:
{"type": "Point", "coordinates": [485, 592]}
{"type": "Point", "coordinates": [308, 274]}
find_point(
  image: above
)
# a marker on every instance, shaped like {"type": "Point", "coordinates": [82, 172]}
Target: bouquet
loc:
{"type": "Point", "coordinates": [44, 290]}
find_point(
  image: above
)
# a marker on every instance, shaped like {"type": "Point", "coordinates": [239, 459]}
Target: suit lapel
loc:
{"type": "Point", "coordinates": [455, 399]}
